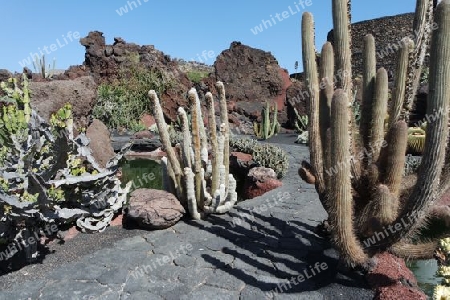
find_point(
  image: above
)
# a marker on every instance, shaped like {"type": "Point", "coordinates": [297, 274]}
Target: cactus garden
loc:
{"type": "Point", "coordinates": [137, 175]}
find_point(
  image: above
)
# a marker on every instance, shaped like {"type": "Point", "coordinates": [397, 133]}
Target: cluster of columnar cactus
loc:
{"type": "Point", "coordinates": [358, 172]}
{"type": "Point", "coordinates": [200, 181]}
{"type": "Point", "coordinates": [46, 176]}
{"type": "Point", "coordinates": [267, 128]}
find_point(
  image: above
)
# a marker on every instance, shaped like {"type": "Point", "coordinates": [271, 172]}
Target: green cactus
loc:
{"type": "Point", "coordinates": [363, 193]}
{"type": "Point", "coordinates": [266, 129]}
{"type": "Point", "coordinates": [416, 140]}
{"type": "Point", "coordinates": [301, 122]}
{"type": "Point", "coordinates": [40, 66]}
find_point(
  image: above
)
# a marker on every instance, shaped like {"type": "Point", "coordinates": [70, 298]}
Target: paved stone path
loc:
{"type": "Point", "coordinates": [264, 244]}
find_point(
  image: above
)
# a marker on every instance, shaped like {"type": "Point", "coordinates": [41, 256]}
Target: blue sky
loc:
{"type": "Point", "coordinates": [182, 29]}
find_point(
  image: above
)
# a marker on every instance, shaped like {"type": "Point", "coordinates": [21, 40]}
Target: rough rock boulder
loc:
{"type": "Point", "coordinates": [259, 181]}
{"type": "Point", "coordinates": [252, 75]}
{"type": "Point", "coordinates": [47, 97]}
{"type": "Point", "coordinates": [100, 142]}
{"type": "Point", "coordinates": [154, 209]}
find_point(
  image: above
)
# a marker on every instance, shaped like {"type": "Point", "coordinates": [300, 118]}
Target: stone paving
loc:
{"type": "Point", "coordinates": [263, 244]}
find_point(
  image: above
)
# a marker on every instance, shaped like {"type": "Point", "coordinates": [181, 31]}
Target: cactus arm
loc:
{"type": "Point", "coordinates": [379, 110]}
{"type": "Point", "coordinates": [165, 139]}
{"type": "Point", "coordinates": [266, 121]}
{"type": "Point", "coordinates": [167, 177]}
{"type": "Point", "coordinates": [186, 142]}
{"type": "Point", "coordinates": [202, 132]}
{"type": "Point", "coordinates": [257, 129]}
{"type": "Point", "coordinates": [422, 26]}
{"type": "Point", "coordinates": [190, 192]}
{"type": "Point", "coordinates": [224, 120]}
{"type": "Point", "coordinates": [213, 138]}
{"type": "Point", "coordinates": [312, 81]}
{"type": "Point", "coordinates": [386, 207]}
{"type": "Point", "coordinates": [342, 46]}
{"type": "Point", "coordinates": [326, 74]}
{"type": "Point", "coordinates": [438, 100]}
{"type": "Point", "coordinates": [369, 78]}
{"type": "Point", "coordinates": [394, 161]}
{"type": "Point", "coordinates": [400, 82]}
{"type": "Point", "coordinates": [426, 189]}
{"type": "Point", "coordinates": [341, 200]}
{"type": "Point", "coordinates": [275, 125]}
{"type": "Point", "coordinates": [196, 141]}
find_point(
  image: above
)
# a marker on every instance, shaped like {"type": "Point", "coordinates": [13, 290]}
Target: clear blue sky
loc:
{"type": "Point", "coordinates": [182, 29]}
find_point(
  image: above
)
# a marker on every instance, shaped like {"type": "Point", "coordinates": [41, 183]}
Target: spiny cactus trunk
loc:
{"type": "Point", "coordinates": [341, 191]}
{"type": "Point", "coordinates": [422, 28]}
{"type": "Point", "coordinates": [196, 141]}
{"type": "Point", "coordinates": [165, 139]}
{"type": "Point", "coordinates": [394, 160]}
{"type": "Point", "coordinates": [379, 110]}
{"type": "Point", "coordinates": [224, 120]}
{"type": "Point", "coordinates": [312, 81]}
{"type": "Point", "coordinates": [375, 192]}
{"type": "Point", "coordinates": [326, 75]}
{"type": "Point", "coordinates": [400, 81]}
{"type": "Point", "coordinates": [369, 78]}
{"type": "Point", "coordinates": [426, 188]}
{"type": "Point", "coordinates": [213, 137]}
{"type": "Point", "coordinates": [342, 45]}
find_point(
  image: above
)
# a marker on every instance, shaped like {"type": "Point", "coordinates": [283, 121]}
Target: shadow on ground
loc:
{"type": "Point", "coordinates": [270, 253]}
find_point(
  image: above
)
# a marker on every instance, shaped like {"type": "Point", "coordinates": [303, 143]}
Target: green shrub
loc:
{"type": "Point", "coordinates": [197, 76]}
{"type": "Point", "coordinates": [125, 100]}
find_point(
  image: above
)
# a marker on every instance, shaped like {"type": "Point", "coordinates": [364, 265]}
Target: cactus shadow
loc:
{"type": "Point", "coordinates": [269, 251]}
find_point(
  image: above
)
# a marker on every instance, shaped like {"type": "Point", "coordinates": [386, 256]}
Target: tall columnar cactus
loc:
{"type": "Point", "coordinates": [188, 169]}
{"type": "Point", "coordinates": [360, 181]}
{"type": "Point", "coordinates": [422, 28]}
{"type": "Point", "coordinates": [266, 129]}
